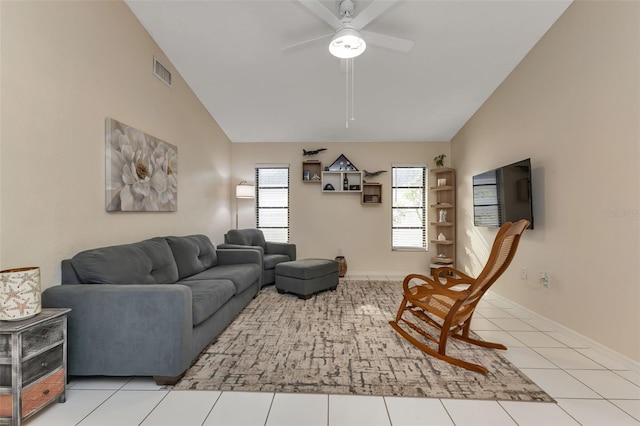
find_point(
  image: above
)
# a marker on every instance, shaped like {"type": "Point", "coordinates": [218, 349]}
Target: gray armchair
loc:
{"type": "Point", "coordinates": [272, 252]}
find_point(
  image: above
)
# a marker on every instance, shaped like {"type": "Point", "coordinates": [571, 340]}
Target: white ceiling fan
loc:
{"type": "Point", "coordinates": [349, 40]}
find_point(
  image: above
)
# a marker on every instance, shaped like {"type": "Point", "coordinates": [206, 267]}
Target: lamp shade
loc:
{"type": "Point", "coordinates": [244, 190]}
{"type": "Point", "coordinates": [19, 293]}
{"type": "Point", "coordinates": [347, 43]}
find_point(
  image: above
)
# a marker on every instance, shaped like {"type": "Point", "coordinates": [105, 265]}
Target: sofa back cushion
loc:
{"type": "Point", "coordinates": [193, 254]}
{"type": "Point", "coordinates": [246, 237]}
{"type": "Point", "coordinates": [146, 262]}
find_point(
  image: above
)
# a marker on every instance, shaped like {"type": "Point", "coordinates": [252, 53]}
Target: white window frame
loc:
{"type": "Point", "coordinates": [265, 227]}
{"type": "Point", "coordinates": [396, 207]}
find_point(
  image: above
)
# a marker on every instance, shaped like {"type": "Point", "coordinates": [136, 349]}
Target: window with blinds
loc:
{"type": "Point", "coordinates": [408, 208]}
{"type": "Point", "coordinates": [272, 202]}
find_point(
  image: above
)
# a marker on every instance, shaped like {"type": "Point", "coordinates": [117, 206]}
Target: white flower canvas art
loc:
{"type": "Point", "coordinates": [141, 171]}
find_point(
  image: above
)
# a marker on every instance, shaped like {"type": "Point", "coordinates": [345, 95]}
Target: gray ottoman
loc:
{"type": "Point", "coordinates": [306, 277]}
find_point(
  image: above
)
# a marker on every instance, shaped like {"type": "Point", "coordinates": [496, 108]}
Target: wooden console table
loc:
{"type": "Point", "coordinates": [33, 364]}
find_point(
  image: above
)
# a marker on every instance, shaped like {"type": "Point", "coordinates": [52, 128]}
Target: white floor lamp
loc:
{"type": "Point", "coordinates": [244, 190]}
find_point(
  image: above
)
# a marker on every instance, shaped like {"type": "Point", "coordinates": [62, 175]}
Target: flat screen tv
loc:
{"type": "Point", "coordinates": [503, 195]}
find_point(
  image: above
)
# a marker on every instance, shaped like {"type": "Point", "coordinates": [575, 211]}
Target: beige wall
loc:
{"type": "Point", "coordinates": [572, 106]}
{"type": "Point", "coordinates": [322, 223]}
{"type": "Point", "coordinates": [66, 66]}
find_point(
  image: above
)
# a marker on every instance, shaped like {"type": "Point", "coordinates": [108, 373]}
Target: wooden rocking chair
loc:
{"type": "Point", "coordinates": [450, 309]}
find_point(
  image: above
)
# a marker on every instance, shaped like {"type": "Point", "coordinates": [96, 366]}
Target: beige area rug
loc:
{"type": "Point", "coordinates": [340, 342]}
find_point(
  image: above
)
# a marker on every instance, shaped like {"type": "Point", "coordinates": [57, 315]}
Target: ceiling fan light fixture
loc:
{"type": "Point", "coordinates": [347, 43]}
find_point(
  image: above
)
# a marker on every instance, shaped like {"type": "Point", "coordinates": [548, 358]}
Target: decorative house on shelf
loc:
{"type": "Point", "coordinates": [342, 164]}
{"type": "Point", "coordinates": [342, 176]}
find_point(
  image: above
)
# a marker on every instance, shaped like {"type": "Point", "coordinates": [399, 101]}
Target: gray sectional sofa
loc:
{"type": "Point", "coordinates": [149, 308]}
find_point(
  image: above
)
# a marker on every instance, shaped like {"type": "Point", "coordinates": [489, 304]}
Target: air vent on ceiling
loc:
{"type": "Point", "coordinates": [161, 72]}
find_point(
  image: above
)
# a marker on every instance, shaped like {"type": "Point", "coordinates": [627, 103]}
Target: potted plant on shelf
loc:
{"type": "Point", "coordinates": [439, 159]}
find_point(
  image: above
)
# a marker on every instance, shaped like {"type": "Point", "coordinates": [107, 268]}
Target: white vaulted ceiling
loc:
{"type": "Point", "coordinates": [231, 55]}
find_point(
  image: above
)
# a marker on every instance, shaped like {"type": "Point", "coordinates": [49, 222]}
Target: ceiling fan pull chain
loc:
{"type": "Point", "coordinates": [353, 85]}
{"type": "Point", "coordinates": [346, 97]}
{"type": "Point", "coordinates": [350, 81]}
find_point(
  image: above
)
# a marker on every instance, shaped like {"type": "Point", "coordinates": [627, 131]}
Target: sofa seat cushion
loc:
{"type": "Point", "coordinates": [193, 254]}
{"type": "Point", "coordinates": [208, 296]}
{"type": "Point", "coordinates": [242, 275]}
{"type": "Point", "coordinates": [146, 262]}
{"type": "Point", "coordinates": [271, 260]}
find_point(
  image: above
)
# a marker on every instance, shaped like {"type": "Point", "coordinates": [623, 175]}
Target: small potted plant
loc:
{"type": "Point", "coordinates": [439, 159]}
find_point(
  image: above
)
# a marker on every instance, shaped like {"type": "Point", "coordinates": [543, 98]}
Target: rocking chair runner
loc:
{"type": "Point", "coordinates": [449, 306]}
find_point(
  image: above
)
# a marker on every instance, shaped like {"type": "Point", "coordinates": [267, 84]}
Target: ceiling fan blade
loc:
{"type": "Point", "coordinates": [389, 42]}
{"type": "Point", "coordinates": [321, 12]}
{"type": "Point", "coordinates": [304, 43]}
{"type": "Point", "coordinates": [371, 12]}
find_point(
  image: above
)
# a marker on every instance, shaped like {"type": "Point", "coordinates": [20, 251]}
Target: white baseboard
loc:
{"type": "Point", "coordinates": [599, 348]}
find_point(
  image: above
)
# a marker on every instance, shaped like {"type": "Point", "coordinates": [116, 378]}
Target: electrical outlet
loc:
{"type": "Point", "coordinates": [544, 279]}
{"type": "Point", "coordinates": [523, 273]}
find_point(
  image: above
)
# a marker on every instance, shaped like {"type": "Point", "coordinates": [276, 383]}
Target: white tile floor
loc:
{"type": "Point", "coordinates": [590, 386]}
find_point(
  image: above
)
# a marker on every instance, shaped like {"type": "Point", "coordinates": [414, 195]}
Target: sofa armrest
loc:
{"type": "Point", "coordinates": [126, 329]}
{"type": "Point", "coordinates": [241, 247]}
{"type": "Point", "coordinates": [288, 249]}
{"type": "Point", "coordinates": [239, 256]}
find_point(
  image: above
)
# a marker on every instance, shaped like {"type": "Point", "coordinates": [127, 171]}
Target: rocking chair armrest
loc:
{"type": "Point", "coordinates": [436, 288]}
{"type": "Point", "coordinates": [457, 277]}
{"type": "Point", "coordinates": [408, 278]}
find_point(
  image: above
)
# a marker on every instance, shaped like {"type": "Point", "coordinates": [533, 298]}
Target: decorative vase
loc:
{"type": "Point", "coordinates": [20, 293]}
{"type": "Point", "coordinates": [342, 266]}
